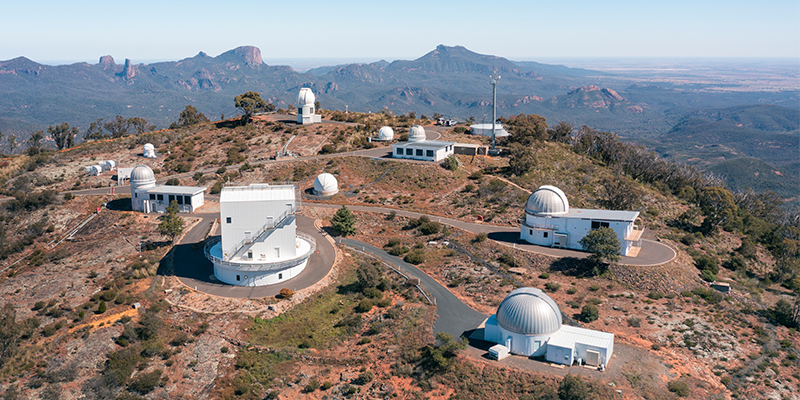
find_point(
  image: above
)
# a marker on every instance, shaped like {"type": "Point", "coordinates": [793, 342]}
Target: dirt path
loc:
{"type": "Point", "coordinates": [107, 320]}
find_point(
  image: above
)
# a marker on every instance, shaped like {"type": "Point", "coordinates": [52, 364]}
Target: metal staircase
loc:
{"type": "Point", "coordinates": [261, 234]}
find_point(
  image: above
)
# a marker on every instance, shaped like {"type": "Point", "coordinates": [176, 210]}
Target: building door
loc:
{"type": "Point", "coordinates": [592, 358]}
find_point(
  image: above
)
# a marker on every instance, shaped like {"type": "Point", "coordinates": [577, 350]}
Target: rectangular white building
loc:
{"type": "Point", "coordinates": [571, 343]}
{"type": "Point", "coordinates": [428, 150]}
{"type": "Point", "coordinates": [568, 229]}
{"type": "Point", "coordinates": [157, 199]}
{"type": "Point", "coordinates": [259, 221]}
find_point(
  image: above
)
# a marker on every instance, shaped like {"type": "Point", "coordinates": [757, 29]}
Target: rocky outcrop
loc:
{"type": "Point", "coordinates": [107, 62]}
{"type": "Point", "coordinates": [250, 54]}
{"type": "Point", "coordinates": [128, 71]}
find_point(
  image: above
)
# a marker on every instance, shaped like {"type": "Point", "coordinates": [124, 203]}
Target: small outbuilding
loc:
{"type": "Point", "coordinates": [148, 197]}
{"type": "Point", "coordinates": [326, 185]}
{"type": "Point", "coordinates": [486, 130]}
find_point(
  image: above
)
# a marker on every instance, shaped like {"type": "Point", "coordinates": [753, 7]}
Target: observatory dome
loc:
{"type": "Point", "coordinates": [326, 185]}
{"type": "Point", "coordinates": [305, 97]}
{"type": "Point", "coordinates": [547, 200]}
{"type": "Point", "coordinates": [149, 150]}
{"type": "Point", "coordinates": [416, 134]}
{"type": "Point", "coordinates": [386, 133]}
{"type": "Point", "coordinates": [142, 174]}
{"type": "Point", "coordinates": [529, 311]}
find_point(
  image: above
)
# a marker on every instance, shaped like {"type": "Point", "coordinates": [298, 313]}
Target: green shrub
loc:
{"type": "Point", "coordinates": [544, 275]}
{"type": "Point", "coordinates": [678, 387]}
{"type": "Point", "coordinates": [589, 313]}
{"type": "Point", "coordinates": [481, 237]}
{"type": "Point", "coordinates": [364, 306]}
{"type": "Point", "coordinates": [450, 163]}
{"type": "Point", "coordinates": [572, 290]}
{"type": "Point", "coordinates": [326, 385]}
{"type": "Point", "coordinates": [655, 295]}
{"type": "Point", "coordinates": [634, 321]}
{"type": "Point", "coordinates": [312, 386]}
{"type": "Point", "coordinates": [145, 383]}
{"type": "Point", "coordinates": [552, 286]}
{"type": "Point", "coordinates": [365, 377]}
{"type": "Point", "coordinates": [415, 257]}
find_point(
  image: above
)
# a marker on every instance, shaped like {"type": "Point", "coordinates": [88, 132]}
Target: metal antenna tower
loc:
{"type": "Point", "coordinates": [494, 78]}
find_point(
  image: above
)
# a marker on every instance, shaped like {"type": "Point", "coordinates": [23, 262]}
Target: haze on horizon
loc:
{"type": "Point", "coordinates": [53, 31]}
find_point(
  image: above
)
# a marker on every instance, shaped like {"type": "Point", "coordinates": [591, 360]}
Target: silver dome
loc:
{"type": "Point", "coordinates": [386, 133]}
{"type": "Point", "coordinates": [305, 97]}
{"type": "Point", "coordinates": [529, 311]}
{"type": "Point", "coordinates": [416, 134]}
{"type": "Point", "coordinates": [547, 200]}
{"type": "Point", "coordinates": [142, 173]}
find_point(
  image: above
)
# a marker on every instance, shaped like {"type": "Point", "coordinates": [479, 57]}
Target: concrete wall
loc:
{"type": "Point", "coordinates": [251, 278]}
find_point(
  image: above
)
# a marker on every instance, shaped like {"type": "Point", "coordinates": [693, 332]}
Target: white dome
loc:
{"type": "Point", "coordinates": [142, 174]}
{"type": "Point", "coordinates": [149, 150]}
{"type": "Point", "coordinates": [305, 97]}
{"type": "Point", "coordinates": [386, 133]}
{"type": "Point", "coordinates": [416, 134]}
{"type": "Point", "coordinates": [547, 200]}
{"type": "Point", "coordinates": [326, 185]}
{"type": "Point", "coordinates": [529, 311]}
{"type": "Point", "coordinates": [149, 146]}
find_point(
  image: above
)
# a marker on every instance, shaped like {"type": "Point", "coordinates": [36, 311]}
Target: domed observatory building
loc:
{"type": "Point", "coordinates": [149, 151]}
{"type": "Point", "coordinates": [385, 134]}
{"type": "Point", "coordinates": [549, 221]}
{"type": "Point", "coordinates": [260, 244]}
{"type": "Point", "coordinates": [528, 322]}
{"type": "Point", "coordinates": [148, 197]}
{"type": "Point", "coordinates": [418, 147]}
{"type": "Point", "coordinates": [305, 108]}
{"type": "Point", "coordinates": [326, 185]}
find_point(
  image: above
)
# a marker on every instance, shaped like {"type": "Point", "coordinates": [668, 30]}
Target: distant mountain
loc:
{"type": "Point", "coordinates": [747, 172]}
{"type": "Point", "coordinates": [453, 81]}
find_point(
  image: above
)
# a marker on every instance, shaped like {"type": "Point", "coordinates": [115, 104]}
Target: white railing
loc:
{"type": "Point", "coordinates": [262, 266]}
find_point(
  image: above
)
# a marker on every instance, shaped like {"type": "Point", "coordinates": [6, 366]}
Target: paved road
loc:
{"type": "Point", "coordinates": [652, 253]}
{"type": "Point", "coordinates": [195, 271]}
{"type": "Point", "coordinates": [453, 317]}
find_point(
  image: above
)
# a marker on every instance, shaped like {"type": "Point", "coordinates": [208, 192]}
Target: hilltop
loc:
{"type": "Point", "coordinates": [365, 330]}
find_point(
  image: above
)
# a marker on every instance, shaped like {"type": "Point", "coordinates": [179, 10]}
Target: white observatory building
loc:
{"type": "Point", "coordinates": [528, 322]}
{"type": "Point", "coordinates": [385, 134]}
{"type": "Point", "coordinates": [486, 130]}
{"type": "Point", "coordinates": [326, 185]}
{"type": "Point", "coordinates": [260, 244]}
{"type": "Point", "coordinates": [305, 108]}
{"type": "Point", "coordinates": [148, 197]}
{"type": "Point", "coordinates": [149, 151]}
{"type": "Point", "coordinates": [549, 221]}
{"type": "Point", "coordinates": [418, 147]}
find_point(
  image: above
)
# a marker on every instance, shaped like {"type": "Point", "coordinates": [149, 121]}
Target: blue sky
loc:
{"type": "Point", "coordinates": [145, 30]}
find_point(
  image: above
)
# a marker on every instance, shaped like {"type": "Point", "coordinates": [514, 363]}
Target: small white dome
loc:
{"type": "Point", "coordinates": [142, 174]}
{"type": "Point", "coordinates": [529, 311]}
{"type": "Point", "coordinates": [326, 185]}
{"type": "Point", "coordinates": [149, 150]}
{"type": "Point", "coordinates": [149, 146]}
{"type": "Point", "coordinates": [386, 133]}
{"type": "Point", "coordinates": [547, 200]}
{"type": "Point", "coordinates": [416, 134]}
{"type": "Point", "coordinates": [305, 97]}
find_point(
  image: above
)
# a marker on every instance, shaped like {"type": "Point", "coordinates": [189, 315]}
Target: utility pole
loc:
{"type": "Point", "coordinates": [494, 78]}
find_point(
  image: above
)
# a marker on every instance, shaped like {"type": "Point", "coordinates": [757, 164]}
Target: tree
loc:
{"type": "Point", "coordinates": [102, 307]}
{"type": "Point", "coordinates": [190, 116]}
{"type": "Point", "coordinates": [450, 163]}
{"type": "Point", "coordinates": [618, 193]}
{"type": "Point", "coordinates": [717, 206]}
{"type": "Point", "coordinates": [140, 125]}
{"type": "Point", "coordinates": [95, 130]}
{"type": "Point", "coordinates": [171, 224]}
{"type": "Point", "coordinates": [561, 133]}
{"type": "Point", "coordinates": [527, 129]}
{"type": "Point", "coordinates": [522, 159]}
{"type": "Point", "coordinates": [63, 135]}
{"type": "Point", "coordinates": [36, 140]}
{"type": "Point", "coordinates": [9, 332]}
{"type": "Point", "coordinates": [251, 103]}
{"type": "Point", "coordinates": [118, 128]}
{"type": "Point", "coordinates": [286, 293]}
{"type": "Point", "coordinates": [572, 387]}
{"type": "Point", "coordinates": [603, 244]}
{"type": "Point", "coordinates": [344, 221]}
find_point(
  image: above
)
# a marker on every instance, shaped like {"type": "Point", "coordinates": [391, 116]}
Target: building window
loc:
{"type": "Point", "coordinates": [152, 196]}
{"type": "Point", "coordinates": [228, 220]}
{"type": "Point", "coordinates": [409, 152]}
{"type": "Point", "coordinates": [419, 152]}
{"type": "Point", "coordinates": [187, 200]}
{"type": "Point", "coordinates": [545, 235]}
{"type": "Point", "coordinates": [280, 276]}
{"type": "Point", "coordinates": [429, 153]}
{"type": "Point", "coordinates": [250, 255]}
{"type": "Point", "coordinates": [160, 197]}
{"type": "Point", "coordinates": [180, 199]}
{"type": "Point", "coordinates": [531, 232]}
{"type": "Point", "coordinates": [237, 278]}
{"type": "Point", "coordinates": [399, 152]}
{"type": "Point", "coordinates": [598, 225]}
{"type": "Point", "coordinates": [171, 197]}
